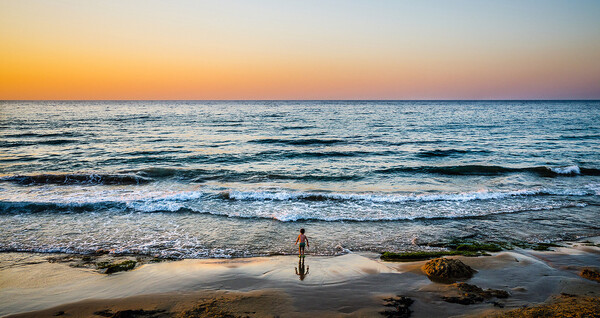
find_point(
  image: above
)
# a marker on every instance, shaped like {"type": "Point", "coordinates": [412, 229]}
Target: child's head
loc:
{"type": "Point", "coordinates": [302, 231]}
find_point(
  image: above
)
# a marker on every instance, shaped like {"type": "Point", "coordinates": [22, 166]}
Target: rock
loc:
{"type": "Point", "coordinates": [471, 294]}
{"type": "Point", "coordinates": [447, 269]}
{"type": "Point", "coordinates": [561, 306]}
{"type": "Point", "coordinates": [591, 274]}
{"type": "Point", "coordinates": [488, 293]}
{"type": "Point", "coordinates": [497, 304]}
{"type": "Point", "coordinates": [104, 313]}
{"type": "Point", "coordinates": [139, 313]}
{"type": "Point", "coordinates": [109, 268]}
{"type": "Point", "coordinates": [210, 308]}
{"type": "Point", "coordinates": [401, 305]}
{"type": "Point", "coordinates": [101, 251]}
{"type": "Point", "coordinates": [133, 313]}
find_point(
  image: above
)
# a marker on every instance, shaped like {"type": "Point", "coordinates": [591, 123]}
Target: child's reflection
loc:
{"type": "Point", "coordinates": [301, 270]}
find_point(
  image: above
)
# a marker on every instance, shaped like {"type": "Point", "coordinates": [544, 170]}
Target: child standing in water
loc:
{"type": "Point", "coordinates": [303, 241]}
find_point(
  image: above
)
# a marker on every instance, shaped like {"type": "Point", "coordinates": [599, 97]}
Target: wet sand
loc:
{"type": "Point", "coordinates": [352, 285]}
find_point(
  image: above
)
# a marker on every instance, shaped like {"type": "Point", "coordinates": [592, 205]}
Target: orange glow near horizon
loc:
{"type": "Point", "coordinates": [77, 52]}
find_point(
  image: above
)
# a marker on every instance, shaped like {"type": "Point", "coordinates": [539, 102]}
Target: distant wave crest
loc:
{"type": "Point", "coordinates": [493, 170]}
{"type": "Point", "coordinates": [69, 179]}
{"type": "Point", "coordinates": [146, 175]}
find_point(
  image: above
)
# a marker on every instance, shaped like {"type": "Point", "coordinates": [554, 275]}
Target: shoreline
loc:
{"type": "Point", "coordinates": [441, 246]}
{"type": "Point", "coordinates": [353, 284]}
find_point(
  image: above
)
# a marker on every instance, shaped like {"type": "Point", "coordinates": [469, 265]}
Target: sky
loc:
{"type": "Point", "coordinates": [149, 49]}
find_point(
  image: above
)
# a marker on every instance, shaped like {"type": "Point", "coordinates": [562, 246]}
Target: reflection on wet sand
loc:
{"type": "Point", "coordinates": [301, 270]}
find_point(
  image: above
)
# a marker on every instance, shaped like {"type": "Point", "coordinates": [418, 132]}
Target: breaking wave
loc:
{"type": "Point", "coordinates": [378, 198]}
{"type": "Point", "coordinates": [195, 201]}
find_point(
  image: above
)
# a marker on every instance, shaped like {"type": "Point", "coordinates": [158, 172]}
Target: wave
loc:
{"type": "Point", "coordinates": [390, 218]}
{"type": "Point", "coordinates": [579, 137]}
{"type": "Point", "coordinates": [297, 127]}
{"type": "Point", "coordinates": [378, 198]}
{"type": "Point", "coordinates": [446, 152]}
{"type": "Point", "coordinates": [493, 170]}
{"type": "Point", "coordinates": [224, 175]}
{"type": "Point", "coordinates": [298, 142]}
{"type": "Point", "coordinates": [57, 142]}
{"type": "Point", "coordinates": [23, 143]}
{"type": "Point", "coordinates": [46, 135]}
{"type": "Point", "coordinates": [69, 179]}
{"type": "Point", "coordinates": [186, 202]}
{"type": "Point", "coordinates": [147, 175]}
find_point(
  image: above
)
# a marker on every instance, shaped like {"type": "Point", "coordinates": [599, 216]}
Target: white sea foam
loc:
{"type": "Point", "coordinates": [171, 201]}
{"type": "Point", "coordinates": [393, 198]}
{"type": "Point", "coordinates": [567, 170]}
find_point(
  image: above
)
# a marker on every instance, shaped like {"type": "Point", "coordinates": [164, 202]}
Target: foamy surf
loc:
{"type": "Point", "coordinates": [567, 170]}
{"type": "Point", "coordinates": [391, 198]}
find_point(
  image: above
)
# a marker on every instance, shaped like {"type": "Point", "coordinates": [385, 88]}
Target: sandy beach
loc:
{"type": "Point", "coordinates": [353, 285]}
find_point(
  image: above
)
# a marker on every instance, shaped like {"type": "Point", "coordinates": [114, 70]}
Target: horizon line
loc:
{"type": "Point", "coordinates": [299, 100]}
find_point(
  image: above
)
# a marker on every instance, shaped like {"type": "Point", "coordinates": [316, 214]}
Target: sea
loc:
{"type": "Point", "coordinates": [221, 179]}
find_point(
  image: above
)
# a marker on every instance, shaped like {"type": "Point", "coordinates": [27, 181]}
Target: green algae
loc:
{"type": "Point", "coordinates": [422, 255]}
{"type": "Point", "coordinates": [118, 267]}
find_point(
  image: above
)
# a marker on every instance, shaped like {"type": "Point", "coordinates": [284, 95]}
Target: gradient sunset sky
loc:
{"type": "Point", "coordinates": [150, 49]}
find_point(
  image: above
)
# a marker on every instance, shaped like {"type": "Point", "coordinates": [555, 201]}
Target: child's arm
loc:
{"type": "Point", "coordinates": [297, 239]}
{"type": "Point", "coordinates": [307, 245]}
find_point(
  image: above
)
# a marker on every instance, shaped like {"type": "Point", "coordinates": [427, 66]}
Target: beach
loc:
{"type": "Point", "coordinates": [191, 208]}
{"type": "Point", "coordinates": [176, 158]}
{"type": "Point", "coordinates": [353, 285]}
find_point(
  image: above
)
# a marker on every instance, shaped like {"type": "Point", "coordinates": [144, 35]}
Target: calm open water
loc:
{"type": "Point", "coordinates": [237, 178]}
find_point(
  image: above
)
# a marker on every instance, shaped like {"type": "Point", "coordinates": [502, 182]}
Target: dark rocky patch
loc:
{"type": "Point", "coordinates": [139, 313]}
{"type": "Point", "coordinates": [591, 274]}
{"type": "Point", "coordinates": [103, 313]}
{"type": "Point", "coordinates": [471, 294]}
{"type": "Point", "coordinates": [456, 247]}
{"type": "Point", "coordinates": [208, 308]}
{"type": "Point", "coordinates": [132, 313]}
{"type": "Point", "coordinates": [400, 304]}
{"type": "Point", "coordinates": [562, 306]}
{"type": "Point", "coordinates": [103, 261]}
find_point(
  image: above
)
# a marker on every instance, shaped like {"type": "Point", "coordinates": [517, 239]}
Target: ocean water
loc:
{"type": "Point", "coordinates": [193, 179]}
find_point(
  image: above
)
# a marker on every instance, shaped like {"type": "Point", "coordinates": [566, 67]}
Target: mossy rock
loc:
{"type": "Point", "coordinates": [447, 270]}
{"type": "Point", "coordinates": [544, 246]}
{"type": "Point", "coordinates": [561, 306]}
{"type": "Point", "coordinates": [492, 246]}
{"type": "Point", "coordinates": [118, 267]}
{"type": "Point", "coordinates": [473, 245]}
{"type": "Point", "coordinates": [416, 256]}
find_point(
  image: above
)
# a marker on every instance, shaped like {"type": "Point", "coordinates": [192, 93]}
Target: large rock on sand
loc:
{"type": "Point", "coordinates": [447, 269]}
